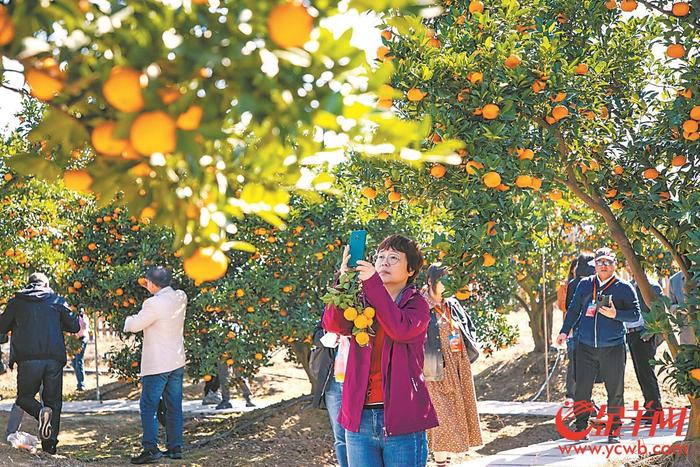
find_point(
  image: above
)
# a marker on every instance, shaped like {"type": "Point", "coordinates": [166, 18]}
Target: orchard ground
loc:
{"type": "Point", "coordinates": [293, 433]}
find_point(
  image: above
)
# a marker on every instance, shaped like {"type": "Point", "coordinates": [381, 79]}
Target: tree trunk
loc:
{"type": "Point", "coordinates": [541, 337]}
{"type": "Point", "coordinates": [302, 352]}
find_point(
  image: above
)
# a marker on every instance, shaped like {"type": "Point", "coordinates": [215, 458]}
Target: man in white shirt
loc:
{"type": "Point", "coordinates": [161, 319]}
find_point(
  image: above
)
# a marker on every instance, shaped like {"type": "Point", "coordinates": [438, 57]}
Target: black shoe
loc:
{"type": "Point", "coordinates": [147, 457]}
{"type": "Point", "coordinates": [249, 403]}
{"type": "Point", "coordinates": [49, 446]}
{"type": "Point", "coordinates": [45, 423]}
{"type": "Point", "coordinates": [175, 453]}
{"type": "Point", "coordinates": [224, 405]}
{"type": "Point", "coordinates": [613, 439]}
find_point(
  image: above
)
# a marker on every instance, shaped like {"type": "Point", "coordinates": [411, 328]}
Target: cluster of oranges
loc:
{"type": "Point", "coordinates": [362, 322]}
{"type": "Point", "coordinates": [690, 126]}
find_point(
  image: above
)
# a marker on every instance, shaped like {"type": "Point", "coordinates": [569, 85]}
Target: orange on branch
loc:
{"type": "Point", "coordinates": [7, 27]}
{"type": "Point", "coordinates": [289, 24]}
{"type": "Point", "coordinates": [650, 174]}
{"type": "Point", "coordinates": [369, 192]}
{"type": "Point", "coordinates": [122, 89]}
{"type": "Point", "coordinates": [678, 160]}
{"type": "Point", "coordinates": [628, 5]}
{"type": "Point", "coordinates": [394, 196]}
{"type": "Point", "coordinates": [695, 113]}
{"type": "Point", "coordinates": [362, 338]}
{"type": "Point", "coordinates": [555, 195]}
{"type": "Point", "coordinates": [489, 260]}
{"type": "Point", "coordinates": [153, 132]}
{"type": "Point", "coordinates": [438, 171]}
{"type": "Point", "coordinates": [690, 126]}
{"type": "Point", "coordinates": [560, 112]}
{"type": "Point", "coordinates": [476, 77]}
{"type": "Point", "coordinates": [675, 51]}
{"type": "Point", "coordinates": [383, 214]}
{"type": "Point", "coordinates": [77, 180]}
{"type": "Point", "coordinates": [42, 85]}
{"type": "Point", "coordinates": [526, 154]}
{"type": "Point", "coordinates": [523, 181]}
{"type": "Point", "coordinates": [191, 118]}
{"type": "Point", "coordinates": [680, 9]}
{"type": "Point", "coordinates": [581, 69]}
{"type": "Point", "coordinates": [369, 312]}
{"type": "Point", "coordinates": [415, 95]}
{"type": "Point", "coordinates": [475, 6]}
{"type": "Point", "coordinates": [512, 61]}
{"type": "Point", "coordinates": [490, 111]}
{"type": "Point", "coordinates": [491, 179]}
{"type": "Point", "coordinates": [206, 264]}
{"type": "Point", "coordinates": [350, 313]}
{"type": "Point", "coordinates": [104, 142]}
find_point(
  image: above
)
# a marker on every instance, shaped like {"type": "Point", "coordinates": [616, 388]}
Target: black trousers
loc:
{"type": "Point", "coordinates": [608, 363]}
{"type": "Point", "coordinates": [31, 374]}
{"type": "Point", "coordinates": [643, 351]}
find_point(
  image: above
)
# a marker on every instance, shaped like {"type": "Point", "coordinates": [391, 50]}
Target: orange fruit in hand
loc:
{"type": "Point", "coordinates": [650, 174]}
{"type": "Point", "coordinates": [680, 9]}
{"type": "Point", "coordinates": [560, 112]}
{"type": "Point", "coordinates": [491, 179]}
{"type": "Point", "coordinates": [438, 171]}
{"type": "Point", "coordinates": [362, 338]}
{"type": "Point", "coordinates": [42, 85]}
{"type": "Point", "coordinates": [628, 5]}
{"type": "Point", "coordinates": [104, 142]}
{"type": "Point", "coordinates": [153, 132]}
{"type": "Point", "coordinates": [122, 89]}
{"type": "Point", "coordinates": [512, 61]}
{"type": "Point", "coordinates": [206, 264]}
{"type": "Point", "coordinates": [489, 260]}
{"type": "Point", "coordinates": [361, 322]}
{"type": "Point", "coordinates": [369, 192]}
{"type": "Point", "coordinates": [190, 119]}
{"type": "Point", "coordinates": [675, 51]}
{"type": "Point", "coordinates": [415, 95]}
{"type": "Point", "coordinates": [475, 6]}
{"type": "Point", "coordinates": [289, 25]}
{"type": "Point", "coordinates": [490, 111]}
{"type": "Point", "coordinates": [77, 180]}
{"type": "Point", "coordinates": [7, 27]}
{"type": "Point", "coordinates": [350, 313]}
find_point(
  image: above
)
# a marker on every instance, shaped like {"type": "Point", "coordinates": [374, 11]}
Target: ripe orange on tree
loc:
{"type": "Point", "coordinates": [678, 160]}
{"type": "Point", "coordinates": [695, 113]}
{"type": "Point", "coordinates": [43, 85]}
{"type": "Point", "coordinates": [153, 132]}
{"type": "Point", "coordinates": [369, 192]}
{"type": "Point", "coordinates": [490, 111]}
{"type": "Point", "coordinates": [650, 174]}
{"type": "Point", "coordinates": [489, 260]}
{"type": "Point", "coordinates": [77, 180]}
{"type": "Point", "coordinates": [206, 264]}
{"type": "Point", "coordinates": [611, 4]}
{"type": "Point", "coordinates": [581, 69]}
{"type": "Point", "coordinates": [475, 6]}
{"type": "Point", "coordinates": [512, 61]}
{"type": "Point", "coordinates": [628, 5]}
{"type": "Point", "coordinates": [191, 118]}
{"type": "Point", "coordinates": [523, 181]}
{"type": "Point", "coordinates": [675, 51]}
{"type": "Point", "coordinates": [104, 142]}
{"type": "Point", "coordinates": [394, 196]}
{"type": "Point", "coordinates": [383, 214]}
{"type": "Point", "coordinates": [560, 112]}
{"type": "Point", "coordinates": [475, 77]}
{"type": "Point", "coordinates": [555, 195]}
{"type": "Point", "coordinates": [289, 24]}
{"type": "Point", "coordinates": [526, 154]}
{"type": "Point", "coordinates": [362, 338]}
{"type": "Point", "coordinates": [492, 179]}
{"type": "Point", "coordinates": [7, 27]}
{"type": "Point", "coordinates": [690, 126]}
{"type": "Point", "coordinates": [122, 89]}
{"type": "Point", "coordinates": [680, 9]}
{"type": "Point", "coordinates": [415, 95]}
{"type": "Point", "coordinates": [438, 171]}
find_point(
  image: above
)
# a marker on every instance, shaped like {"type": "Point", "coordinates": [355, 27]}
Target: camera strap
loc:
{"type": "Point", "coordinates": [595, 286]}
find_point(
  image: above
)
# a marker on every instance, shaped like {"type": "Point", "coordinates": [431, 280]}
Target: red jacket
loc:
{"type": "Point", "coordinates": [407, 406]}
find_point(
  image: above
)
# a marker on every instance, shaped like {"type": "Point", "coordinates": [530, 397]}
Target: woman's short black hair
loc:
{"type": "Point", "coordinates": [407, 246]}
{"type": "Point", "coordinates": [584, 266]}
{"type": "Point", "coordinates": [435, 272]}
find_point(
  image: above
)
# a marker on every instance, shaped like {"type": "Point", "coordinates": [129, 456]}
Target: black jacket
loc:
{"type": "Point", "coordinates": [322, 360]}
{"type": "Point", "coordinates": [37, 318]}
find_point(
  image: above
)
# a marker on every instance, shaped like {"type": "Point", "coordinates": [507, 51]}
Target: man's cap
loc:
{"type": "Point", "coordinates": [604, 253]}
{"type": "Point", "coordinates": [38, 278]}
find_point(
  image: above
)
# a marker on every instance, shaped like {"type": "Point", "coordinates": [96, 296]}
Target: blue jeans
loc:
{"type": "Point", "coordinates": [369, 447]}
{"type": "Point", "coordinates": [169, 386]}
{"type": "Point", "coordinates": [333, 398]}
{"type": "Point", "coordinates": [77, 365]}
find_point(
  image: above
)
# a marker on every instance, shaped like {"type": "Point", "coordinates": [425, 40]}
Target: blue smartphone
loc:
{"type": "Point", "coordinates": [358, 239]}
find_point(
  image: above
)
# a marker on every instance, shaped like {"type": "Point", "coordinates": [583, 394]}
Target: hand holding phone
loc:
{"type": "Point", "coordinates": [357, 243]}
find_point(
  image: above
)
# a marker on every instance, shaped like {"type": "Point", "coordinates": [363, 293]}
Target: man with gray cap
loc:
{"type": "Point", "coordinates": [162, 319]}
{"type": "Point", "coordinates": [601, 305]}
{"type": "Point", "coordinates": [38, 318]}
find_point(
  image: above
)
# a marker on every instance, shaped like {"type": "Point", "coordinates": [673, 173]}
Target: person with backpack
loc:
{"type": "Point", "coordinates": [38, 317]}
{"type": "Point", "coordinates": [452, 347]}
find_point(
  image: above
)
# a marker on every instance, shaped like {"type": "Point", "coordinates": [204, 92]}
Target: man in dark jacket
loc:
{"type": "Point", "coordinates": [37, 318]}
{"type": "Point", "coordinates": [600, 306]}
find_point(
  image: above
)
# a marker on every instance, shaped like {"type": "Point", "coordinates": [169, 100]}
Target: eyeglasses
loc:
{"type": "Point", "coordinates": [604, 262]}
{"type": "Point", "coordinates": [390, 258]}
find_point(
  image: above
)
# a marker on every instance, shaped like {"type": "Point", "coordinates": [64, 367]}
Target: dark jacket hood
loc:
{"type": "Point", "coordinates": [35, 293]}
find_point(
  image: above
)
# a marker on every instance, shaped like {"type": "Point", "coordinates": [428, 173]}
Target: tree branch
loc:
{"type": "Point", "coordinates": [677, 257]}
{"type": "Point", "coordinates": [523, 303]}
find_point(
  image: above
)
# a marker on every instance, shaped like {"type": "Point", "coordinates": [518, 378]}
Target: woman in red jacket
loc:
{"type": "Point", "coordinates": [386, 408]}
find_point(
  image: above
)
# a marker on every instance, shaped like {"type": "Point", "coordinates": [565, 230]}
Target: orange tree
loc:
{"type": "Point", "coordinates": [564, 95]}
{"type": "Point", "coordinates": [202, 111]}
